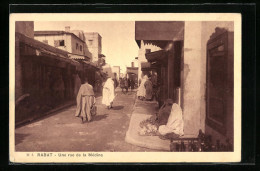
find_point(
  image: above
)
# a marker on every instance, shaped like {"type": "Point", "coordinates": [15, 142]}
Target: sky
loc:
{"type": "Point", "coordinates": [118, 38]}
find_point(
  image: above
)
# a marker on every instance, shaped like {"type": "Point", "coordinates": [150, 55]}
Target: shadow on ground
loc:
{"type": "Point", "coordinates": [19, 138]}
{"type": "Point", "coordinates": [117, 107]}
{"type": "Point", "coordinates": [99, 117]}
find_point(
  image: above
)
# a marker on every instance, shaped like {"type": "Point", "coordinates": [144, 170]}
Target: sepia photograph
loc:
{"type": "Point", "coordinates": [161, 87]}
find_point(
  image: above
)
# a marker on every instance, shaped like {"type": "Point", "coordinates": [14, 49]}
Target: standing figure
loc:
{"type": "Point", "coordinates": [132, 84]}
{"type": "Point", "coordinates": [108, 93]}
{"type": "Point", "coordinates": [115, 82]}
{"type": "Point", "coordinates": [129, 82]}
{"type": "Point", "coordinates": [141, 89]}
{"type": "Point", "coordinates": [126, 84]}
{"type": "Point", "coordinates": [148, 90]}
{"type": "Point", "coordinates": [85, 101]}
{"type": "Point", "coordinates": [122, 84]}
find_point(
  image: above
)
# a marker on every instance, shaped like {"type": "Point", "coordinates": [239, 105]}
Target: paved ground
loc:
{"type": "Point", "coordinates": [64, 132]}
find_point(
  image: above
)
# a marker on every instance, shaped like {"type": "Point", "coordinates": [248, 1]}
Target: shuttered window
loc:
{"type": "Point", "coordinates": [59, 43]}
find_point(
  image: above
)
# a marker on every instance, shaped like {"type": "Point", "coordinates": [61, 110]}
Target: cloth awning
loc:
{"type": "Point", "coordinates": [159, 55]}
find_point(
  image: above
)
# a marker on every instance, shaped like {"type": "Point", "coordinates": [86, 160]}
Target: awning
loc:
{"type": "Point", "coordinates": [79, 66]}
{"type": "Point", "coordinates": [43, 52]}
{"type": "Point", "coordinates": [159, 55]}
{"type": "Point", "coordinates": [76, 56]}
{"type": "Point", "coordinates": [47, 54]}
{"type": "Point", "coordinates": [159, 31]}
{"type": "Point", "coordinates": [132, 70]}
{"type": "Point", "coordinates": [145, 65]}
{"type": "Point", "coordinates": [101, 55]}
{"type": "Point", "coordinates": [91, 64]}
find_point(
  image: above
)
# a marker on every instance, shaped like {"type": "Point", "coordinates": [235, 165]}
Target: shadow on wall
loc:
{"type": "Point", "coordinates": [186, 71]}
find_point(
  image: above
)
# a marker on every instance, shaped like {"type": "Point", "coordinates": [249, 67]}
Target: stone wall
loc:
{"type": "Point", "coordinates": [193, 74]}
{"type": "Point", "coordinates": [191, 92]}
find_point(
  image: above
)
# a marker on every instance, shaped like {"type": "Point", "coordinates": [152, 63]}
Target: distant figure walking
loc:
{"type": "Point", "coordinates": [85, 101]}
{"type": "Point", "coordinates": [108, 93]}
{"type": "Point", "coordinates": [115, 82]}
{"type": "Point", "coordinates": [126, 84]}
{"type": "Point", "coordinates": [122, 84]}
{"type": "Point", "coordinates": [132, 84]}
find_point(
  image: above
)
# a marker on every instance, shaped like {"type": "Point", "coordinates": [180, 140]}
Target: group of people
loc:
{"type": "Point", "coordinates": [126, 83]}
{"type": "Point", "coordinates": [145, 90]}
{"type": "Point", "coordinates": [86, 99]}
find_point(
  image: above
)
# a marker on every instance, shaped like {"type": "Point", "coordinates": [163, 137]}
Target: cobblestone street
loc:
{"type": "Point", "coordinates": [62, 132]}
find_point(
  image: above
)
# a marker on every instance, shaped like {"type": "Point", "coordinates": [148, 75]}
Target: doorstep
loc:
{"type": "Point", "coordinates": [143, 110]}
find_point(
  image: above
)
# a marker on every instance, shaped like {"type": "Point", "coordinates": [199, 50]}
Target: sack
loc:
{"type": "Point", "coordinates": [93, 110]}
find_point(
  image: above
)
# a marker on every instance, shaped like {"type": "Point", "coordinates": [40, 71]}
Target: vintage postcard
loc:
{"type": "Point", "coordinates": [117, 87]}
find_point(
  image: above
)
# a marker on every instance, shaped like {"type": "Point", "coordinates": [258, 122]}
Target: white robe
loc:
{"type": "Point", "coordinates": [141, 89]}
{"type": "Point", "coordinates": [108, 92]}
{"type": "Point", "coordinates": [174, 123]}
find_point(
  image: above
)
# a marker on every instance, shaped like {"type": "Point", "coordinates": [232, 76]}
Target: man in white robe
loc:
{"type": "Point", "coordinates": [175, 122]}
{"type": "Point", "coordinates": [141, 90]}
{"type": "Point", "coordinates": [108, 93]}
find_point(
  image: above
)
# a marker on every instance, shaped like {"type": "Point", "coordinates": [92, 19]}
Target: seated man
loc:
{"type": "Point", "coordinates": [161, 118]}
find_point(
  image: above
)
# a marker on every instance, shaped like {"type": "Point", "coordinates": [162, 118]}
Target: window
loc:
{"type": "Point", "coordinates": [90, 42]}
{"type": "Point", "coordinates": [80, 47]}
{"type": "Point", "coordinates": [62, 43]}
{"type": "Point", "coordinates": [45, 41]}
{"type": "Point", "coordinates": [59, 43]}
{"type": "Point", "coordinates": [147, 50]}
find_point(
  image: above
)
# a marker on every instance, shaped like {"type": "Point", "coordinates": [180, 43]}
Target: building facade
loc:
{"type": "Point", "coordinates": [94, 44]}
{"type": "Point", "coordinates": [43, 75]}
{"type": "Point", "coordinates": [195, 69]}
{"type": "Point", "coordinates": [74, 43]}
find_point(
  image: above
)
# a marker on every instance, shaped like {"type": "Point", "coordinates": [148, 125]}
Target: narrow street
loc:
{"type": "Point", "coordinates": [62, 131]}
